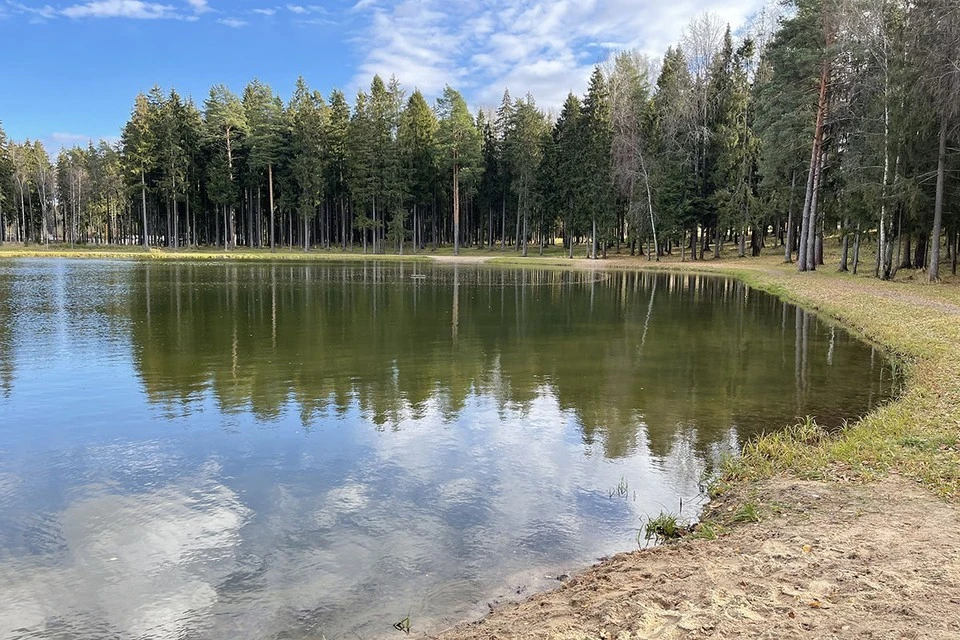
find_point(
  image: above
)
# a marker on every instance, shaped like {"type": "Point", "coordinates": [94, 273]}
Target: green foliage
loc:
{"type": "Point", "coordinates": [666, 528]}
{"type": "Point", "coordinates": [417, 139]}
{"type": "Point", "coordinates": [307, 118]}
{"type": "Point", "coordinates": [719, 146]}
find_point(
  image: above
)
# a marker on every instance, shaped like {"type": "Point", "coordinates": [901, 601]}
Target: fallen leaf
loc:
{"type": "Point", "coordinates": [807, 548]}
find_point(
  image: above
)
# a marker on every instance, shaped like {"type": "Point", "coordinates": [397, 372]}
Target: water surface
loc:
{"type": "Point", "coordinates": [279, 450]}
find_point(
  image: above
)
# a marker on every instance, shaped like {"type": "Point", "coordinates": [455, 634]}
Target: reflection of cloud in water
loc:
{"type": "Point", "coordinates": [9, 483]}
{"type": "Point", "coordinates": [428, 518]}
{"type": "Point", "coordinates": [141, 565]}
{"type": "Point", "coordinates": [346, 499]}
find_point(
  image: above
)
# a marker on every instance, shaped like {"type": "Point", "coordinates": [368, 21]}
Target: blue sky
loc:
{"type": "Point", "coordinates": [72, 67]}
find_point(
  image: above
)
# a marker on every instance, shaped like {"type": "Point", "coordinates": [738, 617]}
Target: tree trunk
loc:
{"type": "Point", "coordinates": [956, 247]}
{"type": "Point", "coordinates": [503, 223]}
{"type": "Point", "coordinates": [934, 270]}
{"type": "Point", "coordinates": [903, 252]}
{"type": "Point", "coordinates": [844, 250]}
{"type": "Point", "coordinates": [788, 245]}
{"type": "Point", "coordinates": [653, 225]}
{"type": "Point", "coordinates": [231, 240]}
{"type": "Point", "coordinates": [176, 230]}
{"type": "Point", "coordinates": [270, 188]}
{"type": "Point", "coordinates": [593, 240]}
{"type": "Point", "coordinates": [456, 209]}
{"type": "Point", "coordinates": [808, 221]}
{"type": "Point", "coordinates": [143, 198]}
{"type": "Point", "coordinates": [856, 250]}
{"type": "Point", "coordinates": [811, 248]}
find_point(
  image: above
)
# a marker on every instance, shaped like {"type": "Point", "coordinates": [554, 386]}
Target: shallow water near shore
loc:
{"type": "Point", "coordinates": [269, 450]}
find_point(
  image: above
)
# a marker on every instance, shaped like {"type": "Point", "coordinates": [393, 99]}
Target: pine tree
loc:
{"type": "Point", "coordinates": [139, 142]}
{"type": "Point", "coordinates": [338, 127]}
{"type": "Point", "coordinates": [264, 115]}
{"type": "Point", "coordinates": [524, 152]}
{"type": "Point", "coordinates": [308, 118]}
{"type": "Point", "coordinates": [417, 138]}
{"type": "Point", "coordinates": [675, 179]}
{"type": "Point", "coordinates": [7, 206]}
{"type": "Point", "coordinates": [460, 147]}
{"type": "Point", "coordinates": [226, 126]}
{"type": "Point", "coordinates": [596, 138]}
{"type": "Point", "coordinates": [361, 162]}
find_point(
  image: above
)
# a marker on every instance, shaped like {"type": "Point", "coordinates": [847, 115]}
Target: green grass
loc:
{"type": "Point", "coordinates": [666, 528]}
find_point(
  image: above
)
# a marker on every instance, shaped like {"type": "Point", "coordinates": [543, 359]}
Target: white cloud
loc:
{"type": "Point", "coordinates": [265, 12]}
{"type": "Point", "coordinates": [199, 6]}
{"type": "Point", "coordinates": [546, 47]}
{"type": "Point", "coordinates": [234, 23]}
{"type": "Point", "coordinates": [295, 8]}
{"type": "Point", "coordinates": [69, 139]}
{"type": "Point", "coordinates": [120, 9]}
{"type": "Point", "coordinates": [43, 12]}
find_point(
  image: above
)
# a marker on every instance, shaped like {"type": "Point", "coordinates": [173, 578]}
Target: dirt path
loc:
{"type": "Point", "coordinates": [462, 259]}
{"type": "Point", "coordinates": [832, 560]}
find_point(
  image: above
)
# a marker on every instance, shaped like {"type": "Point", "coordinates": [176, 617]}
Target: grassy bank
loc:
{"type": "Point", "coordinates": [917, 436]}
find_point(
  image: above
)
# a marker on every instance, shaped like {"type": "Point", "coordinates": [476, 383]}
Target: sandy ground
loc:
{"type": "Point", "coordinates": [827, 560]}
{"type": "Point", "coordinates": [462, 259]}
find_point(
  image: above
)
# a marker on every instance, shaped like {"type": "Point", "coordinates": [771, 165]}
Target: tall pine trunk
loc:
{"type": "Point", "coordinates": [788, 245]}
{"type": "Point", "coordinates": [934, 270]}
{"type": "Point", "coordinates": [456, 209]}
{"type": "Point", "coordinates": [856, 250]}
{"type": "Point", "coordinates": [808, 221]}
{"type": "Point", "coordinates": [143, 198]}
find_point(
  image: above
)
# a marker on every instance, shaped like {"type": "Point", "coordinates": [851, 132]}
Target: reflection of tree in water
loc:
{"type": "Point", "coordinates": [701, 354]}
{"type": "Point", "coordinates": [6, 334]}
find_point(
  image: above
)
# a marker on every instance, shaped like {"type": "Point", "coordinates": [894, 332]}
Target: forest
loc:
{"type": "Point", "coordinates": [819, 121]}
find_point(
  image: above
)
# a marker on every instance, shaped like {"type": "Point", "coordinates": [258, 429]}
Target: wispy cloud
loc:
{"type": "Point", "coordinates": [69, 138]}
{"type": "Point", "coordinates": [265, 12]}
{"type": "Point", "coordinates": [546, 47]}
{"type": "Point", "coordinates": [188, 10]}
{"type": "Point", "coordinates": [121, 9]}
{"type": "Point", "coordinates": [234, 23]}
{"type": "Point", "coordinates": [40, 12]}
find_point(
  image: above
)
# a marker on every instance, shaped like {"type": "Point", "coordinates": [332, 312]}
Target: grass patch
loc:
{"type": "Point", "coordinates": [747, 513]}
{"type": "Point", "coordinates": [666, 528]}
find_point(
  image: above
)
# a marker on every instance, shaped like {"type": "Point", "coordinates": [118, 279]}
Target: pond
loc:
{"type": "Point", "coordinates": [306, 450]}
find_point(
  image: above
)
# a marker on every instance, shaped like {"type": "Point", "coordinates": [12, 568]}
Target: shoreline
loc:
{"type": "Point", "coordinates": [826, 511]}
{"type": "Point", "coordinates": [899, 466]}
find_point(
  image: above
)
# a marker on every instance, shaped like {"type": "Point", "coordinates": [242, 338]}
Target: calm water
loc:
{"type": "Point", "coordinates": [287, 451]}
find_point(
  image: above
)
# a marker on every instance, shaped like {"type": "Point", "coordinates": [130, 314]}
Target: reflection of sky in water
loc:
{"type": "Point", "coordinates": [204, 533]}
{"type": "Point", "coordinates": [123, 518]}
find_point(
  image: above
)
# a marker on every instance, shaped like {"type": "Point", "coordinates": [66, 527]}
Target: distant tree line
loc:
{"type": "Point", "coordinates": [822, 118]}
